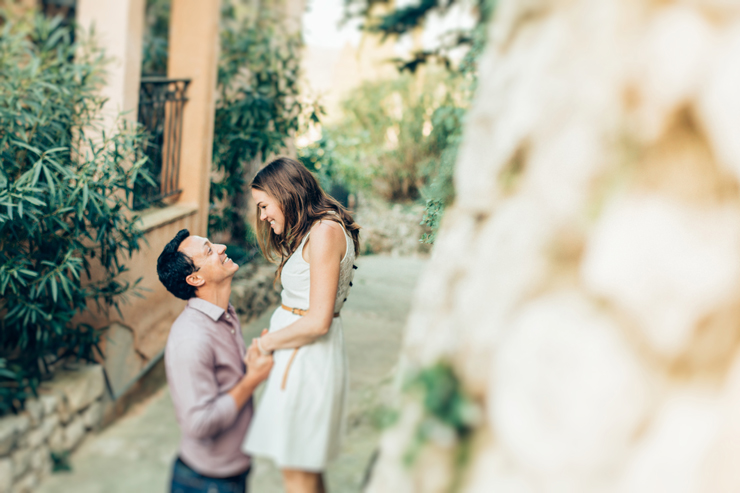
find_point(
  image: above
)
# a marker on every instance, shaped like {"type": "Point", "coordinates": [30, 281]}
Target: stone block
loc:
{"type": "Point", "coordinates": [11, 430]}
{"type": "Point", "coordinates": [75, 432]}
{"type": "Point", "coordinates": [93, 415]}
{"type": "Point", "coordinates": [64, 410]}
{"type": "Point", "coordinates": [567, 394]}
{"type": "Point", "coordinates": [57, 440]}
{"type": "Point", "coordinates": [39, 435]}
{"type": "Point", "coordinates": [6, 474]}
{"type": "Point", "coordinates": [672, 451]}
{"type": "Point", "coordinates": [27, 484]}
{"type": "Point", "coordinates": [34, 409]}
{"type": "Point", "coordinates": [66, 438]}
{"type": "Point", "coordinates": [718, 102]}
{"type": "Point", "coordinates": [21, 460]}
{"type": "Point", "coordinates": [40, 461]}
{"type": "Point", "coordinates": [666, 265]}
{"type": "Point", "coordinates": [50, 402]}
{"type": "Point", "coordinates": [77, 388]}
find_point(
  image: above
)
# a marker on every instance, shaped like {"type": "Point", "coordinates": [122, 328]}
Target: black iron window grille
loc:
{"type": "Point", "coordinates": [161, 103]}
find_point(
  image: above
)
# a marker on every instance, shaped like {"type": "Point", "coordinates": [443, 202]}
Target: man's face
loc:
{"type": "Point", "coordinates": [213, 265]}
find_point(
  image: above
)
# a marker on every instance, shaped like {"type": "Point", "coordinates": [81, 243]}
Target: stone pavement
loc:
{"type": "Point", "coordinates": [135, 453]}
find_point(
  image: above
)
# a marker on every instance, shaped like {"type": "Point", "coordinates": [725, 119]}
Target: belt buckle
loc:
{"type": "Point", "coordinates": [294, 311]}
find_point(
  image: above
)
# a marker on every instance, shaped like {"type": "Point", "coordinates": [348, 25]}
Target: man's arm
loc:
{"type": "Point", "coordinates": [258, 369]}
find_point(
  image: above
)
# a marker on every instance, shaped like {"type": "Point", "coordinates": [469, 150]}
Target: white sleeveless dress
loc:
{"type": "Point", "coordinates": [299, 427]}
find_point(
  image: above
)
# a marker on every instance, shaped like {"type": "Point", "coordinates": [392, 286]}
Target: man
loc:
{"type": "Point", "coordinates": [205, 360]}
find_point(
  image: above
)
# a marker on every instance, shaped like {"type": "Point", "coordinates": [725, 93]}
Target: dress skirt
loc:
{"type": "Point", "coordinates": [300, 426]}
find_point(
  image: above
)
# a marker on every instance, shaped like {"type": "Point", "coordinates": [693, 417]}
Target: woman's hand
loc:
{"type": "Point", "coordinates": [258, 364]}
{"type": "Point", "coordinates": [262, 342]}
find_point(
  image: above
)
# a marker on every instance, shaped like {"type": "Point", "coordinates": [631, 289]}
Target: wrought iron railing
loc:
{"type": "Point", "coordinates": [161, 103]}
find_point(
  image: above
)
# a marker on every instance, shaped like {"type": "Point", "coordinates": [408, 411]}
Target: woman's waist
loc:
{"type": "Point", "coordinates": [300, 304]}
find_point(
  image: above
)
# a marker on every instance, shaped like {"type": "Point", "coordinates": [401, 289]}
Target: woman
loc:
{"type": "Point", "coordinates": [299, 418]}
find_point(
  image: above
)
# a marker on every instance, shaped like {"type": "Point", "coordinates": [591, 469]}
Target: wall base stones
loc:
{"type": "Point", "coordinates": [68, 408]}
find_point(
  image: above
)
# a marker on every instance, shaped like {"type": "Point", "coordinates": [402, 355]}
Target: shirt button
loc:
{"type": "Point", "coordinates": [228, 317]}
{"type": "Point", "coordinates": [232, 331]}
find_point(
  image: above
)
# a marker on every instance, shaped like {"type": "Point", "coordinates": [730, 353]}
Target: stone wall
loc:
{"type": "Point", "coordinates": [67, 409]}
{"type": "Point", "coordinates": [253, 291]}
{"type": "Point", "coordinates": [585, 287]}
{"type": "Point", "coordinates": [391, 229]}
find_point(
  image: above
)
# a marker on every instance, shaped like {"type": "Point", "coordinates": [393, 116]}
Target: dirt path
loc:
{"type": "Point", "coordinates": [135, 453]}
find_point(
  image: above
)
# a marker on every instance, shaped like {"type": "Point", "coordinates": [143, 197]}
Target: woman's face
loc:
{"type": "Point", "coordinates": [270, 211]}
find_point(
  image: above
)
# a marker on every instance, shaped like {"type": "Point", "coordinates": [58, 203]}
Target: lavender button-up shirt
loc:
{"type": "Point", "coordinates": [204, 360]}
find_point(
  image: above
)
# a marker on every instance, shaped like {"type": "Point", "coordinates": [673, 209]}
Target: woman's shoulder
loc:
{"type": "Point", "coordinates": [327, 230]}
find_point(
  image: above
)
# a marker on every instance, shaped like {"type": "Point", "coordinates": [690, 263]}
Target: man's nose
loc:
{"type": "Point", "coordinates": [221, 249]}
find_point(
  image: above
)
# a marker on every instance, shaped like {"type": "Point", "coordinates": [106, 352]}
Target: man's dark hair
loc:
{"type": "Point", "coordinates": [173, 267]}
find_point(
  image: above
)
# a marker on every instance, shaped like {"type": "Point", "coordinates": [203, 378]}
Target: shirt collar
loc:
{"type": "Point", "coordinates": [213, 311]}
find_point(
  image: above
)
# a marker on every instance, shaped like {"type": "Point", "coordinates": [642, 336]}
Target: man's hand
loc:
{"type": "Point", "coordinates": [258, 365]}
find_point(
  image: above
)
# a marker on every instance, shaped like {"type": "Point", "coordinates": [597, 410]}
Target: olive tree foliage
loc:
{"type": "Point", "coordinates": [65, 189]}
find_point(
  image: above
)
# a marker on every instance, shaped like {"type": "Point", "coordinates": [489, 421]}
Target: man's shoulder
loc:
{"type": "Point", "coordinates": [190, 325]}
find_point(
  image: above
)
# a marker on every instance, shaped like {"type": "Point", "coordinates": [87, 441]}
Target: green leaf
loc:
{"type": "Point", "coordinates": [33, 149]}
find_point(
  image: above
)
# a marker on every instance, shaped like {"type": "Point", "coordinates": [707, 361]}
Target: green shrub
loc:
{"type": "Point", "coordinates": [334, 160]}
{"type": "Point", "coordinates": [65, 190]}
{"type": "Point", "coordinates": [393, 135]}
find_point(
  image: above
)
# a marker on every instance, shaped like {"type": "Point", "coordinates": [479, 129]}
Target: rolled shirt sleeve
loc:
{"type": "Point", "coordinates": [203, 411]}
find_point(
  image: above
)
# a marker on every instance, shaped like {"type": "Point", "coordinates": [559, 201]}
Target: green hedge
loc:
{"type": "Point", "coordinates": [65, 190]}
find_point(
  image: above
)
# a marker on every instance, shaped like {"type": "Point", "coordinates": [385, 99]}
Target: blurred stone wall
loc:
{"type": "Point", "coordinates": [68, 408]}
{"type": "Point", "coordinates": [585, 287]}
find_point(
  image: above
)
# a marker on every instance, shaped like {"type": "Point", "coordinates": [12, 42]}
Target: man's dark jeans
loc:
{"type": "Point", "coordinates": [186, 480]}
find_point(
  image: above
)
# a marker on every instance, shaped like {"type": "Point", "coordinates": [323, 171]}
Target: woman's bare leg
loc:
{"type": "Point", "coordinates": [303, 481]}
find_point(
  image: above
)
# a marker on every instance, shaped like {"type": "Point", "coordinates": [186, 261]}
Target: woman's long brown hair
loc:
{"type": "Point", "coordinates": [303, 202]}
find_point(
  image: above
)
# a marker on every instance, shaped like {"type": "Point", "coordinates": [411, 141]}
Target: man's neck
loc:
{"type": "Point", "coordinates": [218, 295]}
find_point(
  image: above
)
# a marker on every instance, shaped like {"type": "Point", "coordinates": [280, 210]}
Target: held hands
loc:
{"type": "Point", "coordinates": [258, 364]}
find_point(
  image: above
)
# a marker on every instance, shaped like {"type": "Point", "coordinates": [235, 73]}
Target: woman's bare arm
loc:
{"type": "Point", "coordinates": [326, 250]}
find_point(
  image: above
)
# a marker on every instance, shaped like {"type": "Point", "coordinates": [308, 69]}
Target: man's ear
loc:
{"type": "Point", "coordinates": [195, 280]}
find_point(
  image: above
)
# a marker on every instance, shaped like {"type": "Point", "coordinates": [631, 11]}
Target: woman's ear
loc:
{"type": "Point", "coordinates": [195, 280]}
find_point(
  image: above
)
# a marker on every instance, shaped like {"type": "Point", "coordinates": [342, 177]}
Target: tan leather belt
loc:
{"type": "Point", "coordinates": [294, 311]}
{"type": "Point", "coordinates": [298, 311]}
